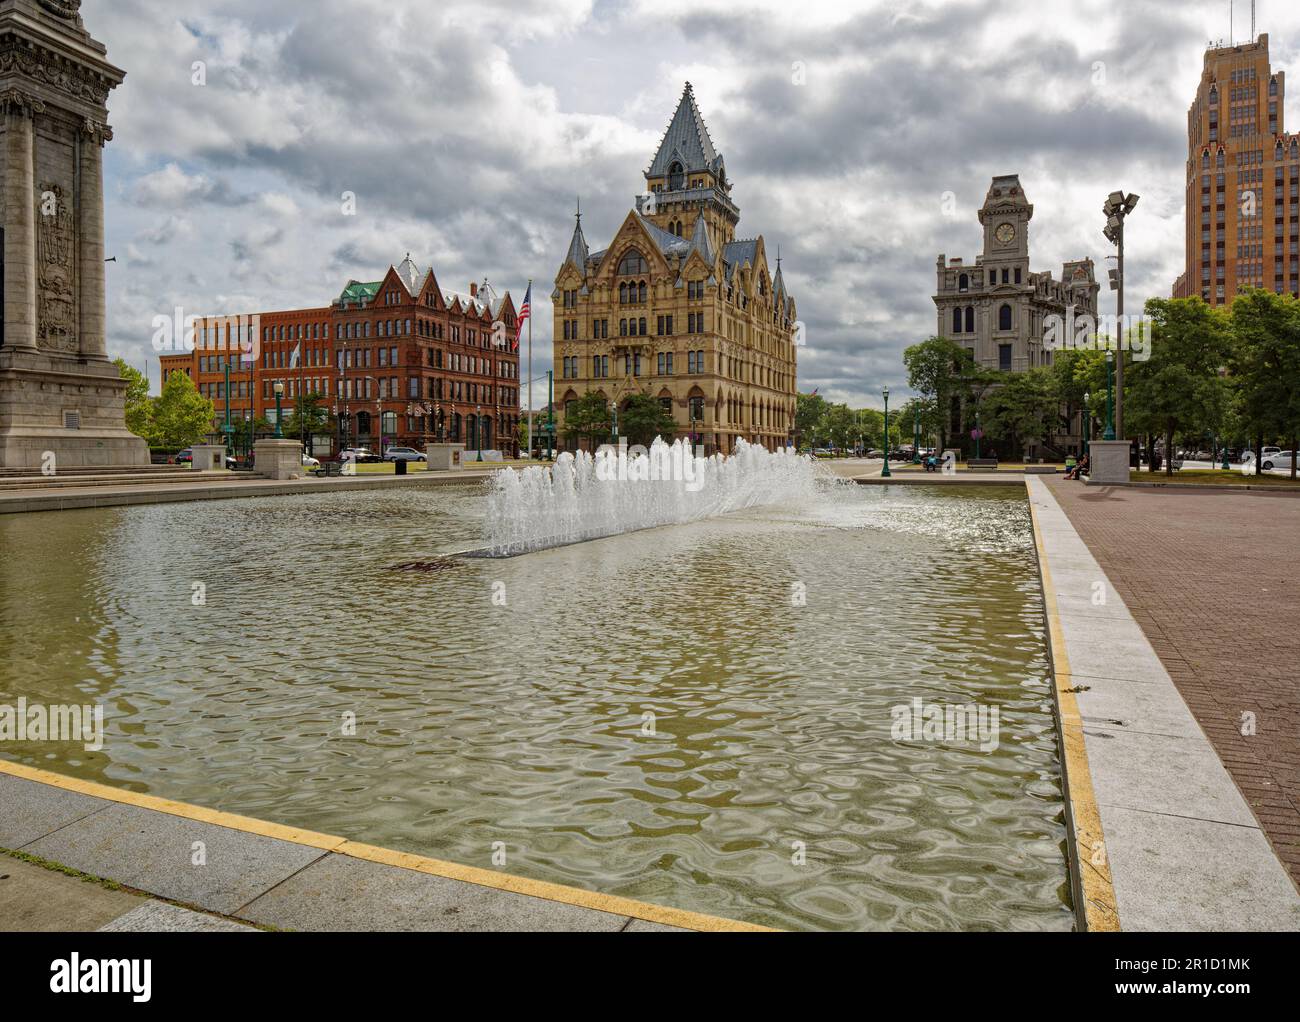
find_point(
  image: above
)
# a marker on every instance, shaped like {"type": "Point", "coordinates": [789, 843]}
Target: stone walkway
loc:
{"type": "Point", "coordinates": [213, 864]}
{"type": "Point", "coordinates": [1212, 580]}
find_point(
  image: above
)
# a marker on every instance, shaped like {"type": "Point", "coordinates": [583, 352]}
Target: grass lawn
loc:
{"type": "Point", "coordinates": [1212, 477]}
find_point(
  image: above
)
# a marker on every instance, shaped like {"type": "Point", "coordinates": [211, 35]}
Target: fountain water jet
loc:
{"type": "Point", "coordinates": [585, 496]}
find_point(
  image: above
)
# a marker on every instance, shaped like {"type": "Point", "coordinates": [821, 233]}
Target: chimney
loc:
{"type": "Point", "coordinates": [473, 289]}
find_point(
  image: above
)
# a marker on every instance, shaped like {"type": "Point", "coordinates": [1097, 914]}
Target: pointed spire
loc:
{"type": "Point", "coordinates": [578, 252]}
{"type": "Point", "coordinates": [700, 240]}
{"type": "Point", "coordinates": [686, 141]}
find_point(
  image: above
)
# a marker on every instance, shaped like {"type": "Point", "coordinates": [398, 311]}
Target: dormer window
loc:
{"type": "Point", "coordinates": [676, 177]}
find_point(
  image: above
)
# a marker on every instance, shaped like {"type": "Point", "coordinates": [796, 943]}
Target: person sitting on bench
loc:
{"type": "Point", "coordinates": [1079, 469]}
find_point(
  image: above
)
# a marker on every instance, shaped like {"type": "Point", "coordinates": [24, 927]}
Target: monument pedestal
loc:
{"type": "Point", "coordinates": [1109, 462]}
{"type": "Point", "coordinates": [59, 393]}
{"type": "Point", "coordinates": [208, 457]}
{"type": "Point", "coordinates": [278, 459]}
{"type": "Point", "coordinates": [445, 457]}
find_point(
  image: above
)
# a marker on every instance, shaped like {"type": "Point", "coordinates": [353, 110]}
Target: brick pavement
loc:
{"type": "Point", "coordinates": [1214, 581]}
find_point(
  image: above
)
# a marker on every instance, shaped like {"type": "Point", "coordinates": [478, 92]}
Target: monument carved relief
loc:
{"type": "Point", "coordinates": [55, 245]}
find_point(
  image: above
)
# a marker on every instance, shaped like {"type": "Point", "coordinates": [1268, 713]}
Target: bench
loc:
{"type": "Point", "coordinates": [982, 465]}
{"type": "Point", "coordinates": [328, 468]}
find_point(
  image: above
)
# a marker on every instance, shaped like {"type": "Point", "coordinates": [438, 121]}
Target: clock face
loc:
{"type": "Point", "coordinates": [1005, 234]}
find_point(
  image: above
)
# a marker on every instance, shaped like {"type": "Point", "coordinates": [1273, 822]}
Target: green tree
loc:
{"type": "Point", "coordinates": [181, 415]}
{"type": "Point", "coordinates": [587, 419]}
{"type": "Point", "coordinates": [1178, 389]}
{"type": "Point", "coordinates": [839, 426]}
{"type": "Point", "coordinates": [1266, 365]}
{"type": "Point", "coordinates": [944, 374]}
{"type": "Point", "coordinates": [809, 410]}
{"type": "Point", "coordinates": [139, 405]}
{"type": "Point", "coordinates": [1025, 407]}
{"type": "Point", "coordinates": [643, 418]}
{"type": "Point", "coordinates": [307, 417]}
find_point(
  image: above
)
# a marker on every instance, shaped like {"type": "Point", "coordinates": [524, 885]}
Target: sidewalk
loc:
{"type": "Point", "coordinates": [253, 872]}
{"type": "Point", "coordinates": [1161, 837]}
{"type": "Point", "coordinates": [1212, 580]}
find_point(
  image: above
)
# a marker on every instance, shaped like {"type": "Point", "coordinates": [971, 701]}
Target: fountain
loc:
{"type": "Point", "coordinates": [617, 490]}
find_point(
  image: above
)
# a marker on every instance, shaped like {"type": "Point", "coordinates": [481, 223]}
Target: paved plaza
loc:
{"type": "Point", "coordinates": [1211, 579]}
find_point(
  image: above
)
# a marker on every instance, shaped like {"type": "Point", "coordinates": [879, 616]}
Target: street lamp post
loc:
{"type": "Point", "coordinates": [978, 434]}
{"type": "Point", "coordinates": [916, 435]}
{"type": "Point", "coordinates": [1226, 466]}
{"type": "Point", "coordinates": [550, 413]}
{"type": "Point", "coordinates": [279, 393]}
{"type": "Point", "coordinates": [1087, 421]}
{"type": "Point", "coordinates": [613, 408]}
{"type": "Point", "coordinates": [884, 472]}
{"type": "Point", "coordinates": [478, 430]}
{"type": "Point", "coordinates": [1117, 207]}
{"type": "Point", "coordinates": [1110, 396]}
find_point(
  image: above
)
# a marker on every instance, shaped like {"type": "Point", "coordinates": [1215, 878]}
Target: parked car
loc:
{"type": "Point", "coordinates": [308, 461]}
{"type": "Point", "coordinates": [1279, 459]}
{"type": "Point", "coordinates": [403, 454]}
{"type": "Point", "coordinates": [875, 452]}
{"type": "Point", "coordinates": [360, 455]}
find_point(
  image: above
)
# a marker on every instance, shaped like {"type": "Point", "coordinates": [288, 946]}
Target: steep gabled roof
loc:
{"type": "Point", "coordinates": [700, 240]}
{"type": "Point", "coordinates": [686, 140]}
{"type": "Point", "coordinates": [410, 274]}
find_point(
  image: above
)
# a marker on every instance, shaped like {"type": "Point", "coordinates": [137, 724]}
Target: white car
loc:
{"type": "Point", "coordinates": [403, 454]}
{"type": "Point", "coordinates": [1278, 459]}
{"type": "Point", "coordinates": [309, 462]}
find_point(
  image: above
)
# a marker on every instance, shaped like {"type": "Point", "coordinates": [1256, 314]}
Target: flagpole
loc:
{"type": "Point", "coordinates": [530, 373]}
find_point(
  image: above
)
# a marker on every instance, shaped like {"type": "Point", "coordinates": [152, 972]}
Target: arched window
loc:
{"type": "Point", "coordinates": [970, 319]}
{"type": "Point", "coordinates": [1004, 318]}
{"type": "Point", "coordinates": [963, 282]}
{"type": "Point", "coordinates": [622, 294]}
{"type": "Point", "coordinates": [675, 176]}
{"type": "Point", "coordinates": [641, 326]}
{"type": "Point", "coordinates": [956, 320]}
{"type": "Point", "coordinates": [640, 292]}
{"type": "Point", "coordinates": [632, 262]}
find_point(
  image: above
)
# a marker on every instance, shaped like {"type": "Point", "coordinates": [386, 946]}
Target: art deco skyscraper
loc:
{"type": "Point", "coordinates": [1243, 179]}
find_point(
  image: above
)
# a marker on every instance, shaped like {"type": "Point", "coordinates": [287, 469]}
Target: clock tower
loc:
{"type": "Point", "coordinates": [1005, 215]}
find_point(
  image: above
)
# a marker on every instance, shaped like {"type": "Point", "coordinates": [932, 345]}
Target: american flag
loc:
{"type": "Point", "coordinates": [525, 311]}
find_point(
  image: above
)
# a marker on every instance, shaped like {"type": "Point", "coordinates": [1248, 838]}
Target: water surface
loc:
{"type": "Point", "coordinates": [764, 785]}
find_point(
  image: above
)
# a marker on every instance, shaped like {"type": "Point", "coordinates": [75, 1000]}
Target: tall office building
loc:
{"type": "Point", "coordinates": [1243, 180]}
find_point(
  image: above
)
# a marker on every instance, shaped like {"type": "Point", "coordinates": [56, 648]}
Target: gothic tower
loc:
{"type": "Point", "coordinates": [62, 402]}
{"type": "Point", "coordinates": [687, 179]}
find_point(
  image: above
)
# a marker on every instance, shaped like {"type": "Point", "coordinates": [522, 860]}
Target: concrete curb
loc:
{"type": "Point", "coordinates": [1160, 836]}
{"type": "Point", "coordinates": [19, 501]}
{"type": "Point", "coordinates": [291, 878]}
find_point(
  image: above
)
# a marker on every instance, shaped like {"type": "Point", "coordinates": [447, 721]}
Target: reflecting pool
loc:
{"type": "Point", "coordinates": [702, 715]}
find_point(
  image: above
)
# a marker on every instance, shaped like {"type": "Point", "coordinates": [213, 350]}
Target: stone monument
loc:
{"type": "Point", "coordinates": [59, 393]}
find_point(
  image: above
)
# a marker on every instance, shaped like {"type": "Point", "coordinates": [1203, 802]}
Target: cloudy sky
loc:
{"type": "Point", "coordinates": [465, 129]}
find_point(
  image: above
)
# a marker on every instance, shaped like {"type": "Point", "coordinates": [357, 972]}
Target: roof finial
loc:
{"type": "Point", "coordinates": [579, 212]}
{"type": "Point", "coordinates": [778, 255]}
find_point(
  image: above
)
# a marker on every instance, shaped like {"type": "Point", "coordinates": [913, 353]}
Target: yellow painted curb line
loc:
{"type": "Point", "coordinates": [1087, 842]}
{"type": "Point", "coordinates": [384, 856]}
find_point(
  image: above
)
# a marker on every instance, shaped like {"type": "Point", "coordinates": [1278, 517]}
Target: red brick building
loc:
{"type": "Point", "coordinates": [398, 358]}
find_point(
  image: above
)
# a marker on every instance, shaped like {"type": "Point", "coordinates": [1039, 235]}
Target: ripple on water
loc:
{"type": "Point", "coordinates": [648, 715]}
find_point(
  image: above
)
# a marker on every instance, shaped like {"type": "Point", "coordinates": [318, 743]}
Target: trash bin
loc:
{"type": "Point", "coordinates": [399, 466]}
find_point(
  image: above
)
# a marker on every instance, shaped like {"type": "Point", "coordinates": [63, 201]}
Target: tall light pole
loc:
{"type": "Point", "coordinates": [1087, 420]}
{"type": "Point", "coordinates": [478, 430]}
{"type": "Point", "coordinates": [1110, 396]}
{"type": "Point", "coordinates": [916, 435]}
{"type": "Point", "coordinates": [279, 393]}
{"type": "Point", "coordinates": [884, 472]}
{"type": "Point", "coordinates": [1117, 207]}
